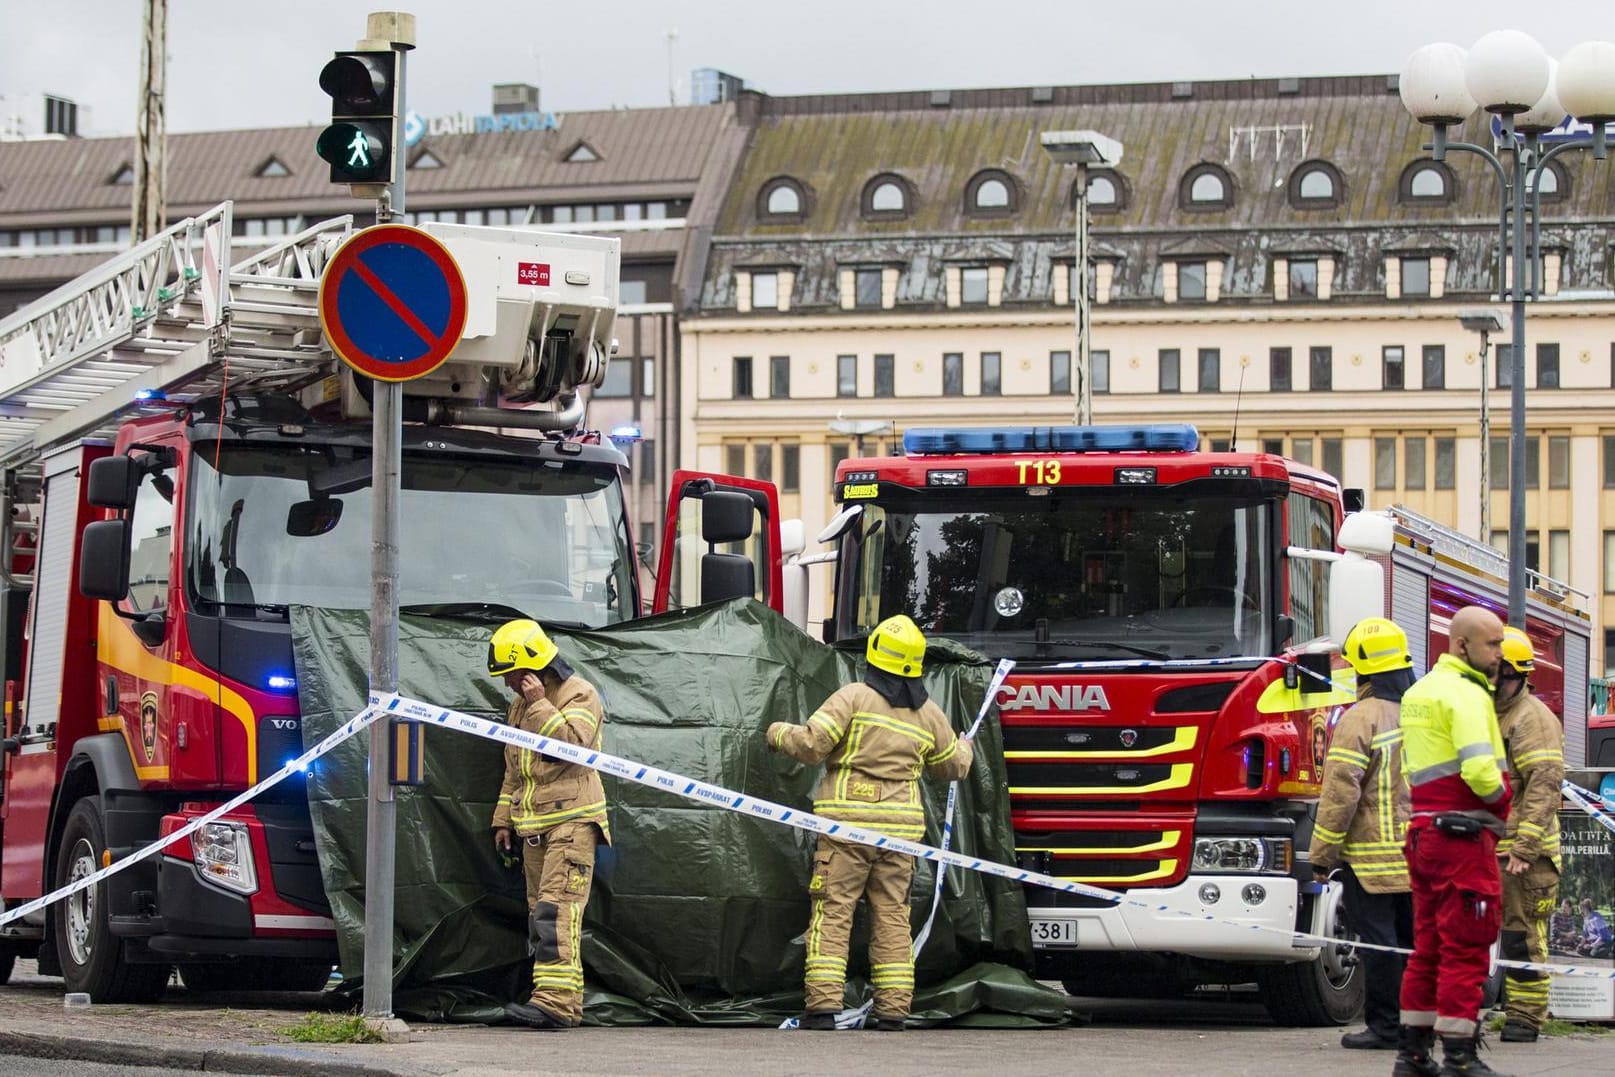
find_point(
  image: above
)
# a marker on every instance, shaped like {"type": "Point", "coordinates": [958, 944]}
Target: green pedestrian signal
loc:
{"type": "Point", "coordinates": [358, 145]}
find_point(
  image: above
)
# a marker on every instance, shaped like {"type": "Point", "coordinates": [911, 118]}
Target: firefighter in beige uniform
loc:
{"type": "Point", "coordinates": [557, 809]}
{"type": "Point", "coordinates": [876, 738]}
{"type": "Point", "coordinates": [1528, 854]}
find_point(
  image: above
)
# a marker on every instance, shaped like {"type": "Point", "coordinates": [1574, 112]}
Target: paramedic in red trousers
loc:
{"type": "Point", "coordinates": [1529, 853]}
{"type": "Point", "coordinates": [875, 736]}
{"type": "Point", "coordinates": [1452, 755]}
{"type": "Point", "coordinates": [1363, 818]}
{"type": "Point", "coordinates": [556, 810]}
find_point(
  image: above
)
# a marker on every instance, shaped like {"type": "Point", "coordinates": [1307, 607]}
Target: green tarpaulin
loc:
{"type": "Point", "coordinates": [697, 912]}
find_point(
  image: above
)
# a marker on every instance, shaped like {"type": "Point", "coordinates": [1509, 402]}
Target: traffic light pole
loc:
{"type": "Point", "coordinates": [394, 30]}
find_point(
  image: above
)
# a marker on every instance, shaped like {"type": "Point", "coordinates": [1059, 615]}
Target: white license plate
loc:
{"type": "Point", "coordinates": [1053, 932]}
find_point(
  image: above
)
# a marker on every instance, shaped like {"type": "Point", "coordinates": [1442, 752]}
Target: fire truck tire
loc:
{"type": "Point", "coordinates": [92, 957]}
{"type": "Point", "coordinates": [1311, 994]}
{"type": "Point", "coordinates": [8, 961]}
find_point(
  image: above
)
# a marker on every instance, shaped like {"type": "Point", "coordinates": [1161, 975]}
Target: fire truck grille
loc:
{"type": "Point", "coordinates": [1046, 779]}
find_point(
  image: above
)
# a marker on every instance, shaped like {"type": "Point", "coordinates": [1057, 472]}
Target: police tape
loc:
{"type": "Point", "coordinates": [704, 792]}
{"type": "Point", "coordinates": [348, 729]}
{"type": "Point", "coordinates": [1590, 802]}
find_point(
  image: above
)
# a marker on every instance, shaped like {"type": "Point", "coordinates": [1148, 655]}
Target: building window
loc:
{"type": "Point", "coordinates": [1191, 280]}
{"type": "Point", "coordinates": [846, 375]}
{"type": "Point", "coordinates": [647, 462]}
{"type": "Point", "coordinates": [762, 455]}
{"type": "Point", "coordinates": [953, 375]}
{"type": "Point", "coordinates": [1413, 464]}
{"type": "Point", "coordinates": [973, 285]}
{"type": "Point", "coordinates": [1558, 462]}
{"type": "Point", "coordinates": [1273, 446]}
{"type": "Point", "coordinates": [1446, 463]}
{"type": "Point", "coordinates": [734, 459]}
{"type": "Point", "coordinates": [1301, 450]}
{"type": "Point", "coordinates": [1505, 365]}
{"type": "Point", "coordinates": [1550, 182]}
{"type": "Point", "coordinates": [1392, 368]}
{"type": "Point", "coordinates": [990, 194]}
{"type": "Point", "coordinates": [1415, 276]}
{"type": "Point", "coordinates": [1333, 456]}
{"type": "Point", "coordinates": [992, 374]}
{"type": "Point", "coordinates": [1435, 366]}
{"type": "Point", "coordinates": [1304, 279]}
{"type": "Point", "coordinates": [1099, 371]}
{"type": "Point", "coordinates": [741, 388]}
{"type": "Point", "coordinates": [1609, 649]}
{"type": "Point", "coordinates": [790, 469]}
{"type": "Point", "coordinates": [1210, 370]}
{"type": "Point", "coordinates": [1384, 463]}
{"type": "Point", "coordinates": [886, 196]}
{"type": "Point", "coordinates": [1609, 577]}
{"type": "Point", "coordinates": [779, 377]}
{"type": "Point", "coordinates": [1323, 369]}
{"type": "Point", "coordinates": [1559, 555]}
{"type": "Point", "coordinates": [647, 376]}
{"type": "Point", "coordinates": [1609, 462]}
{"type": "Point", "coordinates": [1498, 463]}
{"type": "Point", "coordinates": [1169, 359]}
{"type": "Point", "coordinates": [782, 198]}
{"type": "Point", "coordinates": [885, 375]}
{"type": "Point", "coordinates": [631, 293]}
{"type": "Point", "coordinates": [838, 455]}
{"type": "Point", "coordinates": [1533, 462]}
{"type": "Point", "coordinates": [1315, 185]}
{"type": "Point", "coordinates": [866, 288]}
{"type": "Point", "coordinates": [619, 380]}
{"type": "Point", "coordinates": [1060, 373]}
{"type": "Point", "coordinates": [1547, 366]}
{"type": "Point", "coordinates": [765, 291]}
{"type": "Point", "coordinates": [1103, 192]}
{"type": "Point", "coordinates": [1206, 187]}
{"type": "Point", "coordinates": [1278, 369]}
{"type": "Point", "coordinates": [1426, 181]}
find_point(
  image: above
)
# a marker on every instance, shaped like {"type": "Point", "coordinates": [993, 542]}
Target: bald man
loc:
{"type": "Point", "coordinates": [1452, 755]}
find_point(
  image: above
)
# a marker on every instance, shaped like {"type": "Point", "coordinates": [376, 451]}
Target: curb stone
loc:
{"type": "Point", "coordinates": [288, 1061]}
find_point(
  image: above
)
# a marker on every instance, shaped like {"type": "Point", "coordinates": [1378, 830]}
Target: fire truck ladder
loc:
{"type": "Point", "coordinates": [1458, 546]}
{"type": "Point", "coordinates": [170, 321]}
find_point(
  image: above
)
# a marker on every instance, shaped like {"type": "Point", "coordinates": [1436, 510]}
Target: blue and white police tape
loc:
{"type": "Point", "coordinates": [1590, 802]}
{"type": "Point", "coordinates": [348, 729]}
{"type": "Point", "coordinates": [704, 792]}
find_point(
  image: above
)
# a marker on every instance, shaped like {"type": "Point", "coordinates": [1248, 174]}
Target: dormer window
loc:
{"type": "Point", "coordinates": [1206, 187]}
{"type": "Point", "coordinates": [782, 198]}
{"type": "Point", "coordinates": [1316, 185]}
{"type": "Point", "coordinates": [887, 196]}
{"type": "Point", "coordinates": [990, 194]}
{"type": "Point", "coordinates": [272, 169]}
{"type": "Point", "coordinates": [1427, 182]}
{"type": "Point", "coordinates": [581, 153]}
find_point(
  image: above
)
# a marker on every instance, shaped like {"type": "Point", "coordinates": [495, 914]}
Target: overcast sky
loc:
{"type": "Point", "coordinates": [255, 63]}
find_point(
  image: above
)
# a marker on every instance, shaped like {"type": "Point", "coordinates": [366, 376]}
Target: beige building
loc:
{"type": "Point", "coordinates": [1276, 261]}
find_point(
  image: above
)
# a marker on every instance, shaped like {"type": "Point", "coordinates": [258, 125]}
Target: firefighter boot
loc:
{"type": "Point", "coordinates": [818, 1021]}
{"type": "Point", "coordinates": [1461, 1060]}
{"type": "Point", "coordinates": [1413, 1056]}
{"type": "Point", "coordinates": [1519, 1030]}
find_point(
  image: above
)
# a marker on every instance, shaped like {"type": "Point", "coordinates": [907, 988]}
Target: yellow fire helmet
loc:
{"type": "Point", "coordinates": [1517, 650]}
{"type": "Point", "coordinates": [897, 646]}
{"type": "Point", "coordinates": [519, 645]}
{"type": "Point", "coordinates": [1376, 645]}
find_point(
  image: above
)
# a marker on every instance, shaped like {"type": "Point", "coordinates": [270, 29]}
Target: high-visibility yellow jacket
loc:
{"type": "Point", "coordinates": [540, 792]}
{"type": "Point", "coordinates": [874, 754]}
{"type": "Point", "coordinates": [1452, 752]}
{"type": "Point", "coordinates": [1534, 743]}
{"type": "Point", "coordinates": [1363, 810]}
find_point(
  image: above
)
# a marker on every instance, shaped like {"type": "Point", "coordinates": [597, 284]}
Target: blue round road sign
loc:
{"type": "Point", "coordinates": [393, 302]}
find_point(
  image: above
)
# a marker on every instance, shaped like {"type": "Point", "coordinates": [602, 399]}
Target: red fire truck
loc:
{"type": "Point", "coordinates": [1174, 615]}
{"type": "Point", "coordinates": [177, 442]}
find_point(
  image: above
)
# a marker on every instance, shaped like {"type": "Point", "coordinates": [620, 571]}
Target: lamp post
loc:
{"type": "Point", "coordinates": [1082, 148]}
{"type": "Point", "coordinates": [1508, 75]}
{"type": "Point", "coordinates": [861, 428]}
{"type": "Point", "coordinates": [1484, 322]}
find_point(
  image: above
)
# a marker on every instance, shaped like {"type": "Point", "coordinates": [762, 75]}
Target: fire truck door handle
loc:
{"type": "Point", "coordinates": [112, 696]}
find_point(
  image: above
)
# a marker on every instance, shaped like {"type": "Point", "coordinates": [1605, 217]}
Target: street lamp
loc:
{"type": "Point", "coordinates": [860, 428]}
{"type": "Point", "coordinates": [1484, 322]}
{"type": "Point", "coordinates": [1508, 74]}
{"type": "Point", "coordinates": [1082, 148]}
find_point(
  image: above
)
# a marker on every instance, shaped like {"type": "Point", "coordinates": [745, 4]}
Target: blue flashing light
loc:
{"type": "Point", "coordinates": [626, 433]}
{"type": "Point", "coordinates": [1156, 437]}
{"type": "Point", "coordinates": [280, 682]}
{"type": "Point", "coordinates": [151, 394]}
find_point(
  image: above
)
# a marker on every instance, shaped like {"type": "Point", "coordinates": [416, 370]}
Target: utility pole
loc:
{"type": "Point", "coordinates": [151, 130]}
{"type": "Point", "coordinates": [672, 36]}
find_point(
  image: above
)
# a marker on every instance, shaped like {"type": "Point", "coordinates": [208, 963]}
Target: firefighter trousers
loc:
{"type": "Point", "coordinates": [559, 866]}
{"type": "Point", "coordinates": [1528, 902]}
{"type": "Point", "coordinates": [1457, 914]}
{"type": "Point", "coordinates": [842, 873]}
{"type": "Point", "coordinates": [1385, 920]}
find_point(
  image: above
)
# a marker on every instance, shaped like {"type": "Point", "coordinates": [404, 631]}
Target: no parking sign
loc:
{"type": "Point", "coordinates": [393, 302]}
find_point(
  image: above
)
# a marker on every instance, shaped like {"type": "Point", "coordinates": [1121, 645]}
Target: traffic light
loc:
{"type": "Point", "coordinates": [364, 93]}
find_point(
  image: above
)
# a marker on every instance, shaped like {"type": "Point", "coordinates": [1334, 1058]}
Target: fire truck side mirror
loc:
{"type": "Point", "coordinates": [113, 482]}
{"type": "Point", "coordinates": [1352, 499]}
{"type": "Point", "coordinates": [104, 560]}
{"type": "Point", "coordinates": [726, 517]}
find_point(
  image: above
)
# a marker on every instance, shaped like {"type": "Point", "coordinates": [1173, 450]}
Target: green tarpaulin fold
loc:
{"type": "Point", "coordinates": [697, 913]}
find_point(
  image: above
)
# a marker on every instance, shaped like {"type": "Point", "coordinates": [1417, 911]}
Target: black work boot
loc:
{"type": "Point", "coordinates": [1460, 1058]}
{"type": "Point", "coordinates": [1519, 1030]}
{"type": "Point", "coordinates": [818, 1021]}
{"type": "Point", "coordinates": [1368, 1040]}
{"type": "Point", "coordinates": [881, 1023]}
{"type": "Point", "coordinates": [1413, 1055]}
{"type": "Point", "coordinates": [534, 1016]}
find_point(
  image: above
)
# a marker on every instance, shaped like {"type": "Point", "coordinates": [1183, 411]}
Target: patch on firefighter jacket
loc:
{"type": "Point", "coordinates": [864, 791]}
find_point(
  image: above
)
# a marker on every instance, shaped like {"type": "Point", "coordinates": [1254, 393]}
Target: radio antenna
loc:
{"type": "Point", "coordinates": [1239, 395]}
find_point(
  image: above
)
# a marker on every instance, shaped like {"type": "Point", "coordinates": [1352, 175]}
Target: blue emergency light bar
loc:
{"type": "Point", "coordinates": [1156, 437]}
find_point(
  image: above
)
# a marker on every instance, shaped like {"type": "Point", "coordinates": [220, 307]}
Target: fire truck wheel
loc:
{"type": "Point", "coordinates": [1312, 994]}
{"type": "Point", "coordinates": [92, 957]}
{"type": "Point", "coordinates": [8, 960]}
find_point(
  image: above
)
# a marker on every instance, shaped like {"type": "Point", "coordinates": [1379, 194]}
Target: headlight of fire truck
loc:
{"type": "Point", "coordinates": [1242, 856]}
{"type": "Point", "coordinates": [223, 854]}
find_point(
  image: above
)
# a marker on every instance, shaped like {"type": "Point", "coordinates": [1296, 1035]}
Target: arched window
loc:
{"type": "Point", "coordinates": [1102, 191]}
{"type": "Point", "coordinates": [1206, 187]}
{"type": "Point", "coordinates": [1107, 191]}
{"type": "Point", "coordinates": [1427, 181]}
{"type": "Point", "coordinates": [782, 198]}
{"type": "Point", "coordinates": [991, 194]}
{"type": "Point", "coordinates": [887, 196]}
{"type": "Point", "coordinates": [1550, 183]}
{"type": "Point", "coordinates": [1316, 185]}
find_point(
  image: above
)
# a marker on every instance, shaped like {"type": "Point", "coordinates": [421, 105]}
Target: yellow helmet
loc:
{"type": "Point", "coordinates": [1517, 650]}
{"type": "Point", "coordinates": [1376, 645]}
{"type": "Point", "coordinates": [897, 646]}
{"type": "Point", "coordinates": [519, 645]}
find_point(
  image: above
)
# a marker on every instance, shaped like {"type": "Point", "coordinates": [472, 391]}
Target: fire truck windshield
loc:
{"type": "Point", "coordinates": [1078, 574]}
{"type": "Point", "coordinates": [277, 525]}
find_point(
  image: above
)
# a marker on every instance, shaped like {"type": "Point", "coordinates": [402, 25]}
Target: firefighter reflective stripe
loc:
{"type": "Point", "coordinates": [1450, 730]}
{"type": "Point", "coordinates": [526, 822]}
{"type": "Point", "coordinates": [1543, 755]}
{"type": "Point", "coordinates": [1363, 810]}
{"type": "Point", "coordinates": [892, 974]}
{"type": "Point", "coordinates": [1347, 756]}
{"type": "Point", "coordinates": [1434, 771]}
{"type": "Point", "coordinates": [1333, 837]}
{"type": "Point", "coordinates": [827, 723]}
{"type": "Point", "coordinates": [944, 755]}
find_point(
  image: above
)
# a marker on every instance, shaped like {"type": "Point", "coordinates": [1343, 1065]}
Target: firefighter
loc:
{"type": "Point", "coordinates": [877, 735]}
{"type": "Point", "coordinates": [1452, 755]}
{"type": "Point", "coordinates": [557, 811]}
{"type": "Point", "coordinates": [1363, 818]}
{"type": "Point", "coordinates": [1534, 742]}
